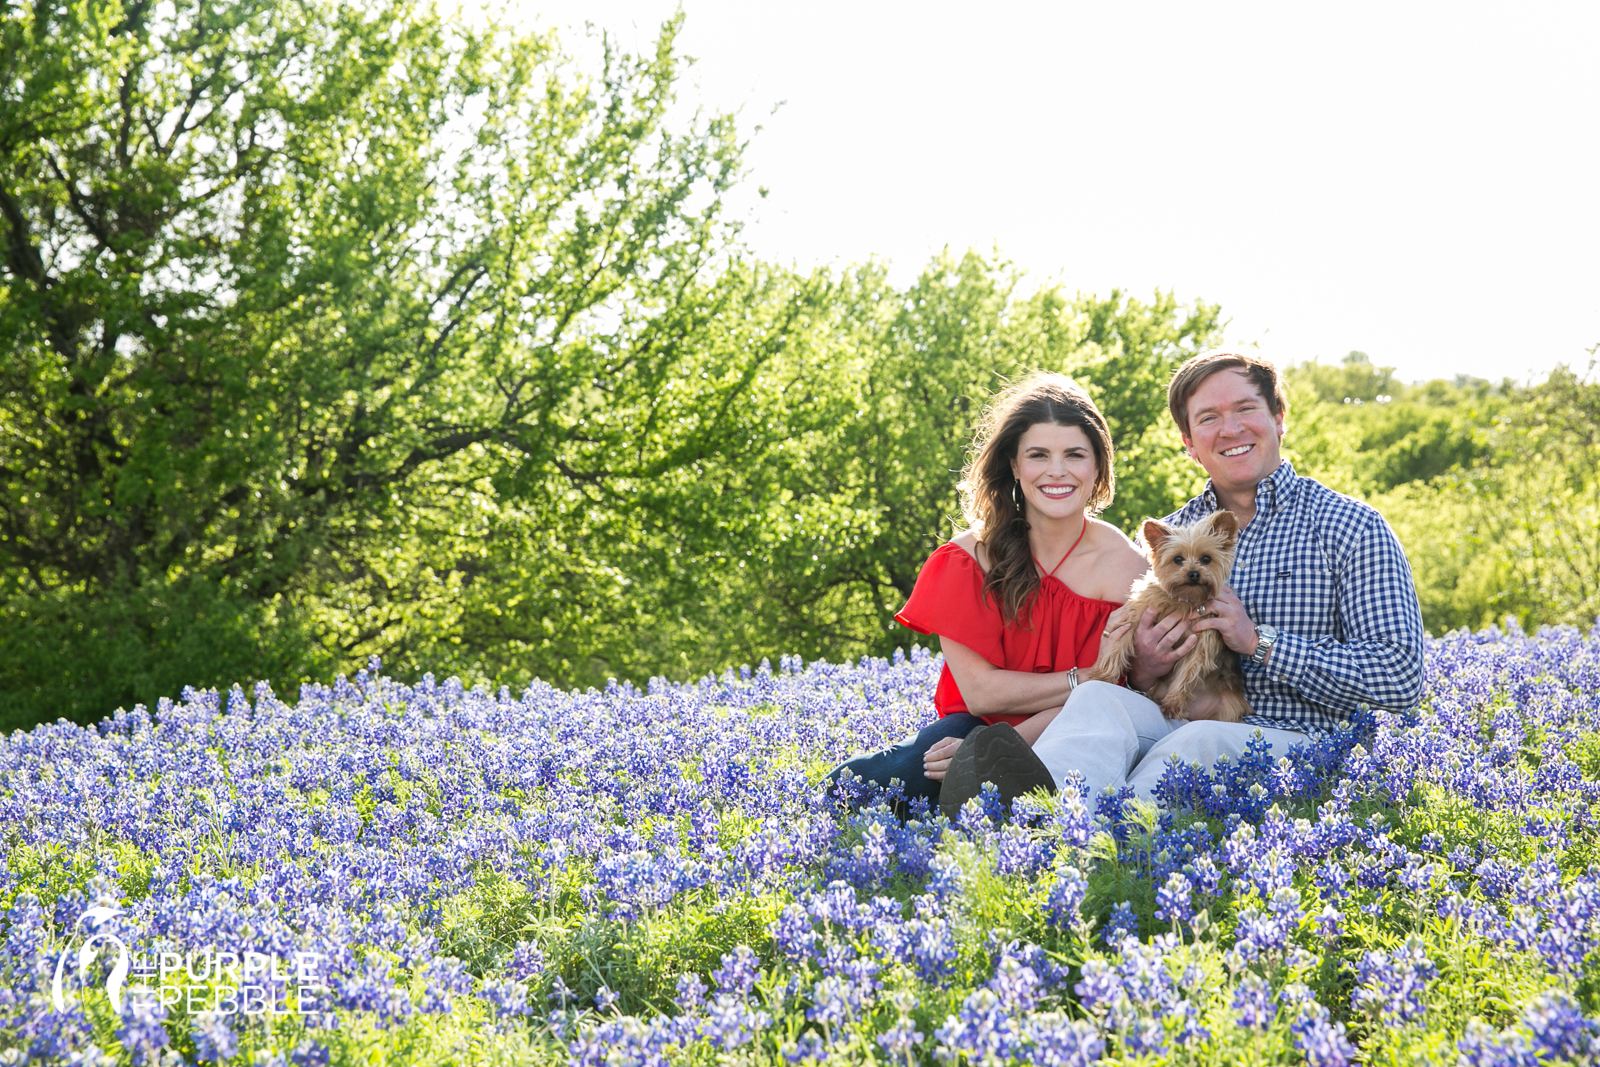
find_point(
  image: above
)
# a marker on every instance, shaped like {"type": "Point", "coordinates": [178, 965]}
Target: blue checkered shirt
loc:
{"type": "Point", "coordinates": [1327, 571]}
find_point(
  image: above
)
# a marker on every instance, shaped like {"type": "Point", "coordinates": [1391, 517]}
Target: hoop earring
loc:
{"type": "Point", "coordinates": [1016, 494]}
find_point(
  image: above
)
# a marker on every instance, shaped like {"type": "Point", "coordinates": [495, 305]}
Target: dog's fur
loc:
{"type": "Point", "coordinates": [1188, 566]}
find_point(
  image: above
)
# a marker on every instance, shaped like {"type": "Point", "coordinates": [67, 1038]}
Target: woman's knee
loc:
{"type": "Point", "coordinates": [1095, 691]}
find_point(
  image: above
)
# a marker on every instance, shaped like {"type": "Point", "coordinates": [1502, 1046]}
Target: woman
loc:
{"type": "Point", "coordinates": [1021, 597]}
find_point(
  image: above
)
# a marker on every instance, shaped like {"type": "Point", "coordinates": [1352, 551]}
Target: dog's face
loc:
{"type": "Point", "coordinates": [1192, 562]}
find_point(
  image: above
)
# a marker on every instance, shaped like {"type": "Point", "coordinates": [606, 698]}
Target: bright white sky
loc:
{"type": "Point", "coordinates": [1420, 181]}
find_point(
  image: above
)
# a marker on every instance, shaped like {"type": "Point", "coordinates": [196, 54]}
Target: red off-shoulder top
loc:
{"type": "Point", "coordinates": [1059, 630]}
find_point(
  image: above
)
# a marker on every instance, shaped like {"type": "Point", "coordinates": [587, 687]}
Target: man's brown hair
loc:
{"type": "Point", "coordinates": [1260, 370]}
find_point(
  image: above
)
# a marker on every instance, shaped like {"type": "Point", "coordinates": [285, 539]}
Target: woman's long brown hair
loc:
{"type": "Point", "coordinates": [987, 484]}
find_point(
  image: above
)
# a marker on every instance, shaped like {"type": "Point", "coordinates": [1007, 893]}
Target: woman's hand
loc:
{"type": "Point", "coordinates": [1117, 624]}
{"type": "Point", "coordinates": [936, 761]}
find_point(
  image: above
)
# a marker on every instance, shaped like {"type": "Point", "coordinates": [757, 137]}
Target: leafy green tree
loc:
{"type": "Point", "coordinates": [298, 302]}
{"type": "Point", "coordinates": [1354, 427]}
{"type": "Point", "coordinates": [1539, 505]}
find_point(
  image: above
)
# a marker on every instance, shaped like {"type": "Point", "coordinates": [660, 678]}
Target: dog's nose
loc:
{"type": "Point", "coordinates": [1194, 576]}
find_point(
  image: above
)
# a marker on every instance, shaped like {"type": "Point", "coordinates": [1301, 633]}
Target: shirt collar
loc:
{"type": "Point", "coordinates": [1276, 488]}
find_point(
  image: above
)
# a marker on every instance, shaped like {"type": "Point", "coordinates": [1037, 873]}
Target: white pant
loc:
{"type": "Point", "coordinates": [1113, 736]}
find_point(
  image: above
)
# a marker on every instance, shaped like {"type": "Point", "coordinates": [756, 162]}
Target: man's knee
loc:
{"type": "Point", "coordinates": [1210, 731]}
{"type": "Point", "coordinates": [1207, 739]}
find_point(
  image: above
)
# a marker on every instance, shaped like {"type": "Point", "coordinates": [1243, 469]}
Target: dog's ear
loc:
{"type": "Point", "coordinates": [1155, 531]}
{"type": "Point", "coordinates": [1226, 525]}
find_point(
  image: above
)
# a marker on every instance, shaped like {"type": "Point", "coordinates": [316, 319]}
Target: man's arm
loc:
{"type": "Point", "coordinates": [1380, 660]}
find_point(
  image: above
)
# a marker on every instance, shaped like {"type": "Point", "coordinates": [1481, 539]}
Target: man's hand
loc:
{"type": "Point", "coordinates": [1225, 614]}
{"type": "Point", "coordinates": [936, 761]}
{"type": "Point", "coordinates": [1157, 645]}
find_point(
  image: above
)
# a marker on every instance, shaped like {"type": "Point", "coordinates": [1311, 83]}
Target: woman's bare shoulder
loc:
{"type": "Point", "coordinates": [1118, 564]}
{"type": "Point", "coordinates": [967, 541]}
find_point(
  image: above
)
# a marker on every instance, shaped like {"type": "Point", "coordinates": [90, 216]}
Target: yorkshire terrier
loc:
{"type": "Point", "coordinates": [1188, 566]}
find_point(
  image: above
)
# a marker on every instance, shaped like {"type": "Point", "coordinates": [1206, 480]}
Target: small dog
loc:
{"type": "Point", "coordinates": [1188, 566]}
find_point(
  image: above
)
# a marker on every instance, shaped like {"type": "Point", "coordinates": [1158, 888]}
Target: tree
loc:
{"type": "Point", "coordinates": [290, 290]}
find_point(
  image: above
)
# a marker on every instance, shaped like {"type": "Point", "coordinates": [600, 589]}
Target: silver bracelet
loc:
{"type": "Point", "coordinates": [1072, 678]}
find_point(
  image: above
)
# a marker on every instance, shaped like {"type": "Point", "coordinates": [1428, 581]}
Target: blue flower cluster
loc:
{"type": "Point", "coordinates": [1337, 904]}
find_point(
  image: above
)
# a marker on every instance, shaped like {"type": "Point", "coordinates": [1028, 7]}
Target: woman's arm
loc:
{"type": "Point", "coordinates": [991, 690]}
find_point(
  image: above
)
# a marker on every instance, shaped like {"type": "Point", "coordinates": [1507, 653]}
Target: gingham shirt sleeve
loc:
{"type": "Point", "coordinates": [1379, 662]}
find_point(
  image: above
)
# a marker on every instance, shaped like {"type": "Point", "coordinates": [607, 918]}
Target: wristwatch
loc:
{"type": "Point", "coordinates": [1265, 635]}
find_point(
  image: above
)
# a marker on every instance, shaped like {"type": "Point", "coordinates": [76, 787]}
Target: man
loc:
{"type": "Point", "coordinates": [1321, 608]}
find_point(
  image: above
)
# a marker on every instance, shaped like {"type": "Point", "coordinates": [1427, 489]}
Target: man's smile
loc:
{"type": "Point", "coordinates": [1238, 450]}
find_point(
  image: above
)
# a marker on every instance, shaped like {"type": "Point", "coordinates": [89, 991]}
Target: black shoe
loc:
{"type": "Point", "coordinates": [996, 754]}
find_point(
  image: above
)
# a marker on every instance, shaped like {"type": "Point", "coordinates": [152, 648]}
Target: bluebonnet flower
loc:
{"type": "Point", "coordinates": [1253, 1002]}
{"type": "Point", "coordinates": [835, 1001]}
{"type": "Point", "coordinates": [1057, 1041]}
{"type": "Point", "coordinates": [1416, 878]}
{"type": "Point", "coordinates": [1136, 996]}
{"type": "Point", "coordinates": [900, 1040]}
{"type": "Point", "coordinates": [310, 1053]}
{"type": "Point", "coordinates": [1319, 1039]}
{"type": "Point", "coordinates": [1560, 1030]}
{"type": "Point", "coordinates": [739, 971]}
{"type": "Point", "coordinates": [1332, 880]}
{"type": "Point", "coordinates": [1121, 923]}
{"type": "Point", "coordinates": [933, 948]}
{"type": "Point", "coordinates": [807, 1048]}
{"type": "Point", "coordinates": [373, 989]}
{"type": "Point", "coordinates": [1484, 1046]}
{"type": "Point", "coordinates": [1391, 987]}
{"type": "Point", "coordinates": [691, 993]}
{"type": "Point", "coordinates": [1113, 809]}
{"type": "Point", "coordinates": [141, 1029]}
{"type": "Point", "coordinates": [49, 1035]}
{"type": "Point", "coordinates": [213, 1039]}
{"type": "Point", "coordinates": [730, 1022]}
{"type": "Point", "coordinates": [1036, 959]}
{"type": "Point", "coordinates": [793, 933]}
{"type": "Point", "coordinates": [1260, 933]}
{"type": "Point", "coordinates": [1018, 852]}
{"type": "Point", "coordinates": [507, 998]}
{"type": "Point", "coordinates": [944, 877]}
{"type": "Point", "coordinates": [1204, 875]}
{"type": "Point", "coordinates": [1494, 879]}
{"type": "Point", "coordinates": [446, 978]}
{"type": "Point", "coordinates": [982, 1032]}
{"type": "Point", "coordinates": [622, 1041]}
{"type": "Point", "coordinates": [527, 962]}
{"type": "Point", "coordinates": [1015, 986]}
{"type": "Point", "coordinates": [1066, 896]}
{"type": "Point", "coordinates": [1074, 820]}
{"type": "Point", "coordinates": [1174, 901]}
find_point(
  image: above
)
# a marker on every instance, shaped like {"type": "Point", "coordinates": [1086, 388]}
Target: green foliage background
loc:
{"type": "Point", "coordinates": [332, 331]}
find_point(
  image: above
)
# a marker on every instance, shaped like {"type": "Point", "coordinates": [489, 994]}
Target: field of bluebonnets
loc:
{"type": "Point", "coordinates": [646, 877]}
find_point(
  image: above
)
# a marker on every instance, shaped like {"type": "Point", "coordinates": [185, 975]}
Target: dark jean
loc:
{"type": "Point", "coordinates": [904, 761]}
